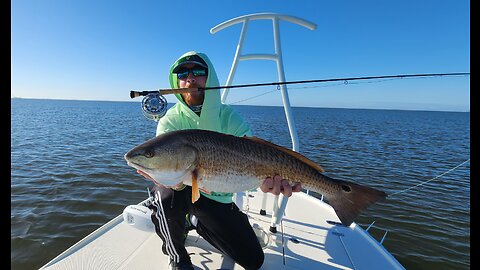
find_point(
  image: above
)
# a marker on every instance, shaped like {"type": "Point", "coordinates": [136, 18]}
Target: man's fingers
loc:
{"type": "Point", "coordinates": [267, 184]}
{"type": "Point", "coordinates": [287, 189]}
{"type": "Point", "coordinates": [277, 183]}
{"type": "Point", "coordinates": [297, 187]}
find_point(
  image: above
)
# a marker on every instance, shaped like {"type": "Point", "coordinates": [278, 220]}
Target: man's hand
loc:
{"type": "Point", "coordinates": [277, 185]}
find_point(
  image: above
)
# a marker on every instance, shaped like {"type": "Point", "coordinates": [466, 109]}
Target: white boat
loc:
{"type": "Point", "coordinates": [301, 232]}
{"type": "Point", "coordinates": [309, 237]}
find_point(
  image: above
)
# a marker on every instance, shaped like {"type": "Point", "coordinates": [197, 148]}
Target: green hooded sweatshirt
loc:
{"type": "Point", "coordinates": [214, 116]}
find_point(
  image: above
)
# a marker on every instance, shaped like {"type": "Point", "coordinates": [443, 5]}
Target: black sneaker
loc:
{"type": "Point", "coordinates": [185, 265]}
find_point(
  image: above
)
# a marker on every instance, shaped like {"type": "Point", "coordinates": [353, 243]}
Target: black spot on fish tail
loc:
{"type": "Point", "coordinates": [352, 199]}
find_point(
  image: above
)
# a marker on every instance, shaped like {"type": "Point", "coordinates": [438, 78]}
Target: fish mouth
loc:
{"type": "Point", "coordinates": [139, 167]}
{"type": "Point", "coordinates": [171, 181]}
{"type": "Point", "coordinates": [133, 164]}
{"type": "Point", "coordinates": [136, 165]}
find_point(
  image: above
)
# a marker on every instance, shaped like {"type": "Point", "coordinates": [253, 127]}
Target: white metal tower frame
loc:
{"type": "Point", "coordinates": [277, 57]}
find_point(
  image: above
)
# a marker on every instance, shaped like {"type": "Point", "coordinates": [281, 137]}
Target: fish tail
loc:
{"type": "Point", "coordinates": [353, 199]}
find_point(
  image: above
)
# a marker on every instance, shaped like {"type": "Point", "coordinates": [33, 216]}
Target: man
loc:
{"type": "Point", "coordinates": [219, 221]}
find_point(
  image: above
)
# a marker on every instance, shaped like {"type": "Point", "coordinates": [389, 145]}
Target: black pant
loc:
{"type": "Point", "coordinates": [224, 226]}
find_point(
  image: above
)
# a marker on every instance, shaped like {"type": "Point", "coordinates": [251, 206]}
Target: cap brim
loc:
{"type": "Point", "coordinates": [177, 68]}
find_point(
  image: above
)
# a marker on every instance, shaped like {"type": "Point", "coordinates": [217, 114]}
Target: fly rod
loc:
{"type": "Point", "coordinates": [134, 94]}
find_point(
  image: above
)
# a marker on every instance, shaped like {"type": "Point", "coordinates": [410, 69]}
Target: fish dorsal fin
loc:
{"type": "Point", "coordinates": [289, 152]}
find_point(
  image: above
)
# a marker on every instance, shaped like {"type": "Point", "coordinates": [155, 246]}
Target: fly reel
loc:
{"type": "Point", "coordinates": [154, 106]}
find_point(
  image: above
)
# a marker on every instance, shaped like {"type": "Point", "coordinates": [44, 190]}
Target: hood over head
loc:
{"type": "Point", "coordinates": [212, 100]}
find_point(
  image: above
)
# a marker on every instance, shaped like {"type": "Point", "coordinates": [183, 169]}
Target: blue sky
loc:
{"type": "Point", "coordinates": [100, 50]}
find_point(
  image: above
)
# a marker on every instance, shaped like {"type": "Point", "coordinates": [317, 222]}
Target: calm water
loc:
{"type": "Point", "coordinates": [68, 175]}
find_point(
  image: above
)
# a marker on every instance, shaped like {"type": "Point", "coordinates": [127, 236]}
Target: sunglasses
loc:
{"type": "Point", "coordinates": [196, 71]}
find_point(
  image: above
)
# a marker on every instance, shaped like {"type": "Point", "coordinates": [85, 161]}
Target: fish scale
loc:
{"type": "Point", "coordinates": [219, 162]}
{"type": "Point", "coordinates": [251, 159]}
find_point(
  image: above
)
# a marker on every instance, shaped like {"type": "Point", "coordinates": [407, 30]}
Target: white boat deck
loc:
{"type": "Point", "coordinates": [305, 240]}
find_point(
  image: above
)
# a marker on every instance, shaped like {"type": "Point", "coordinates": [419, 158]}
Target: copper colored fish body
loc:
{"type": "Point", "coordinates": [219, 162]}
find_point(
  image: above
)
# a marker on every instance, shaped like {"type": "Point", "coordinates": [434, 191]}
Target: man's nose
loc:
{"type": "Point", "coordinates": [190, 77]}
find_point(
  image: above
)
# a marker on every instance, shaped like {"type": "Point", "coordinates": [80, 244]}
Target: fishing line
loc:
{"type": "Point", "coordinates": [259, 95]}
{"type": "Point", "coordinates": [315, 86]}
{"type": "Point", "coordinates": [422, 183]}
{"type": "Point", "coordinates": [347, 83]}
{"type": "Point", "coordinates": [438, 176]}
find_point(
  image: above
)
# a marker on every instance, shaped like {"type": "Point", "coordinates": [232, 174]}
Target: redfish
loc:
{"type": "Point", "coordinates": [219, 162]}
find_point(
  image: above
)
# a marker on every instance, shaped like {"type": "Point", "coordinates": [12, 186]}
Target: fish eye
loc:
{"type": "Point", "coordinates": [148, 154]}
{"type": "Point", "coordinates": [346, 188]}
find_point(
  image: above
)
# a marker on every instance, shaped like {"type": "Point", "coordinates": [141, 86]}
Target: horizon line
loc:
{"type": "Point", "coordinates": [319, 107]}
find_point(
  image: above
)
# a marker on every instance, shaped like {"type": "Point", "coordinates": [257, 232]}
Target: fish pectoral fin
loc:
{"type": "Point", "coordinates": [195, 189]}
